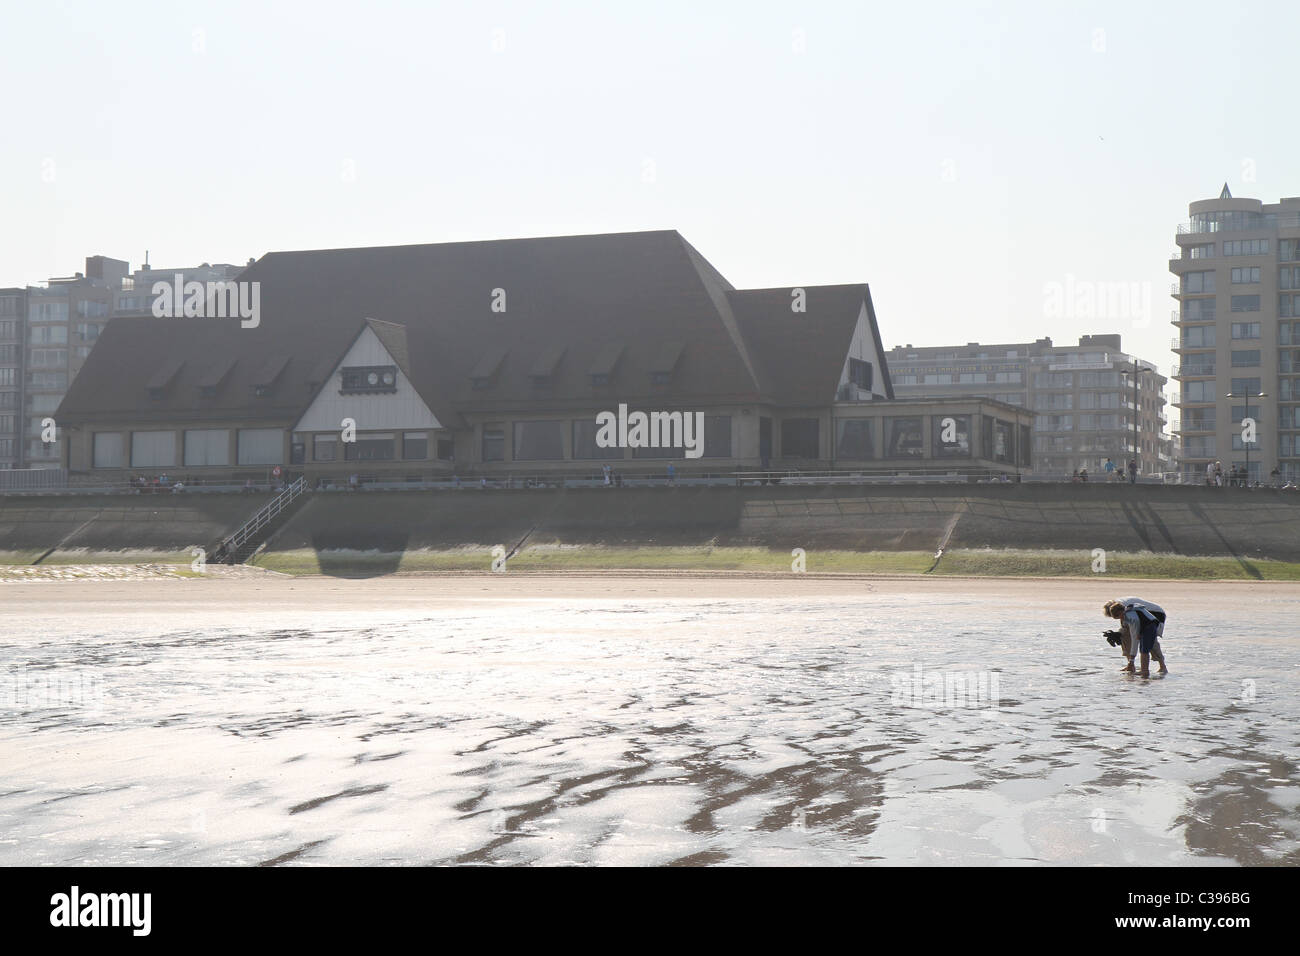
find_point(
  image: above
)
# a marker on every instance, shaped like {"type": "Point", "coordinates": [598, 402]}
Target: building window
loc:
{"type": "Point", "coordinates": [539, 441]}
{"type": "Point", "coordinates": [1200, 336]}
{"type": "Point", "coordinates": [1245, 247]}
{"type": "Point", "coordinates": [584, 442]}
{"type": "Point", "coordinates": [363, 379]}
{"type": "Point", "coordinates": [373, 447]}
{"type": "Point", "coordinates": [1245, 274]}
{"type": "Point", "coordinates": [298, 450]}
{"type": "Point", "coordinates": [717, 435]}
{"type": "Point", "coordinates": [1195, 282]}
{"type": "Point", "coordinates": [107, 450]}
{"type": "Point", "coordinates": [855, 439]}
{"type": "Point", "coordinates": [1245, 386]}
{"type": "Point", "coordinates": [799, 438]}
{"type": "Point", "coordinates": [153, 449]}
{"type": "Point", "coordinates": [904, 437]}
{"type": "Point", "coordinates": [324, 448]}
{"type": "Point", "coordinates": [1240, 412]}
{"type": "Point", "coordinates": [446, 449]}
{"type": "Point", "coordinates": [1245, 358]}
{"type": "Point", "coordinates": [951, 436]}
{"type": "Point", "coordinates": [415, 446]}
{"type": "Point", "coordinates": [494, 444]}
{"type": "Point", "coordinates": [49, 358]}
{"type": "Point", "coordinates": [207, 446]}
{"type": "Point", "coordinates": [1244, 303]}
{"type": "Point", "coordinates": [1244, 330]}
{"type": "Point", "coordinates": [260, 446]}
{"type": "Point", "coordinates": [860, 374]}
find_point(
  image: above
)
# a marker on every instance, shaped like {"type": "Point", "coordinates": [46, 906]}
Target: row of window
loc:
{"type": "Point", "coordinates": [1203, 336]}
{"type": "Point", "coordinates": [202, 446]}
{"type": "Point", "coordinates": [1205, 391]}
{"type": "Point", "coordinates": [904, 437]}
{"type": "Point", "coordinates": [544, 441]}
{"type": "Point", "coordinates": [370, 447]}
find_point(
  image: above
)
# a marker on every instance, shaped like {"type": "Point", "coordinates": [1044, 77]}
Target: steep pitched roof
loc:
{"type": "Point", "coordinates": [803, 353]}
{"type": "Point", "coordinates": [573, 304]}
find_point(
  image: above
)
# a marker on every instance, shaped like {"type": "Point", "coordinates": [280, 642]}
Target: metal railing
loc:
{"type": "Point", "coordinates": [1263, 222]}
{"type": "Point", "coordinates": [33, 479]}
{"type": "Point", "coordinates": [230, 546]}
{"type": "Point", "coordinates": [1201, 369]}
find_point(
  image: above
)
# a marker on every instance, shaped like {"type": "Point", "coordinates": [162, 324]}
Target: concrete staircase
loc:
{"type": "Point", "coordinates": [240, 546]}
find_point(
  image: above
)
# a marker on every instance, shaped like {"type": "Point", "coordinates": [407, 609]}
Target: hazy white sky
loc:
{"type": "Point", "coordinates": [958, 157]}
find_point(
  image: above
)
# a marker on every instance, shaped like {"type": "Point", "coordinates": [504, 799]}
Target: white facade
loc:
{"type": "Point", "coordinates": [400, 409]}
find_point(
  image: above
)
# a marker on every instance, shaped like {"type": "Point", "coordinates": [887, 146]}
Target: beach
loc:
{"type": "Point", "coordinates": [646, 719]}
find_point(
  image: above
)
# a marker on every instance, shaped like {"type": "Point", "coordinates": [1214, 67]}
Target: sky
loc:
{"type": "Point", "coordinates": [979, 164]}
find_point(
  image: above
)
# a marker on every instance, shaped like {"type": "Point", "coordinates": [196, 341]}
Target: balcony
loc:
{"type": "Point", "coordinates": [1194, 371]}
{"type": "Point", "coordinates": [1254, 224]}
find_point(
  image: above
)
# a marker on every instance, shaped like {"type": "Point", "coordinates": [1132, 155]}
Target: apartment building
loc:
{"type": "Point", "coordinates": [52, 330]}
{"type": "Point", "coordinates": [1237, 269]}
{"type": "Point", "coordinates": [1083, 396]}
{"type": "Point", "coordinates": [13, 308]}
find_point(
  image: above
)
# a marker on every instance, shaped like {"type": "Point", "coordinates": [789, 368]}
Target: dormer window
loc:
{"type": "Point", "coordinates": [665, 363]}
{"type": "Point", "coordinates": [369, 379]}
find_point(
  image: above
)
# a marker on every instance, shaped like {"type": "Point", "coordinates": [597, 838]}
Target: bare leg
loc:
{"type": "Point", "coordinates": [1146, 666]}
{"type": "Point", "coordinates": [1159, 656]}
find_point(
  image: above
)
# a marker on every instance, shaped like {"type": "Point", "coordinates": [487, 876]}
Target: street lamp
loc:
{"type": "Point", "coordinates": [1137, 454]}
{"type": "Point", "coordinates": [1247, 396]}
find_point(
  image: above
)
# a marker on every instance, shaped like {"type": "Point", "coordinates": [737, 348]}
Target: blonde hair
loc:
{"type": "Point", "coordinates": [1110, 607]}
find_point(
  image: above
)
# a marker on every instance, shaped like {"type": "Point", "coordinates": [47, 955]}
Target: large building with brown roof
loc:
{"type": "Point", "coordinates": [485, 358]}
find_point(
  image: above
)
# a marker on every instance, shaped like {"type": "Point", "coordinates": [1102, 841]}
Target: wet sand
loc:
{"type": "Point", "coordinates": [648, 719]}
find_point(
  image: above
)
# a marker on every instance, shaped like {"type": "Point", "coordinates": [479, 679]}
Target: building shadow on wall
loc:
{"type": "Point", "coordinates": [1246, 566]}
{"type": "Point", "coordinates": [344, 556]}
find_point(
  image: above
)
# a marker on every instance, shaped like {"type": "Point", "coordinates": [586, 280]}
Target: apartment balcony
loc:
{"type": "Point", "coordinates": [1200, 370]}
{"type": "Point", "coordinates": [1262, 223]}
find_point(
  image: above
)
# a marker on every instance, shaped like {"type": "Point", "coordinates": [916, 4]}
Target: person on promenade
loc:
{"type": "Point", "coordinates": [1218, 474]}
{"type": "Point", "coordinates": [1141, 624]}
{"type": "Point", "coordinates": [1132, 471]}
{"type": "Point", "coordinates": [1109, 469]}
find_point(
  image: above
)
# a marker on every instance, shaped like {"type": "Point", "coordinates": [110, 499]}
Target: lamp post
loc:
{"type": "Point", "coordinates": [1137, 454]}
{"type": "Point", "coordinates": [1247, 396]}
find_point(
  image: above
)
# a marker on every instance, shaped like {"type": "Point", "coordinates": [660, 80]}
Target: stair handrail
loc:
{"type": "Point", "coordinates": [233, 542]}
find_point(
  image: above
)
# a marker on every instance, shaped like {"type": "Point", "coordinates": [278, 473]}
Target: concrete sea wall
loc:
{"type": "Point", "coordinates": [1166, 519]}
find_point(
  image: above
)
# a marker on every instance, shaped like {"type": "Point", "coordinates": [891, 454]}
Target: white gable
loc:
{"type": "Point", "coordinates": [401, 409]}
{"type": "Point", "coordinates": [863, 346]}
